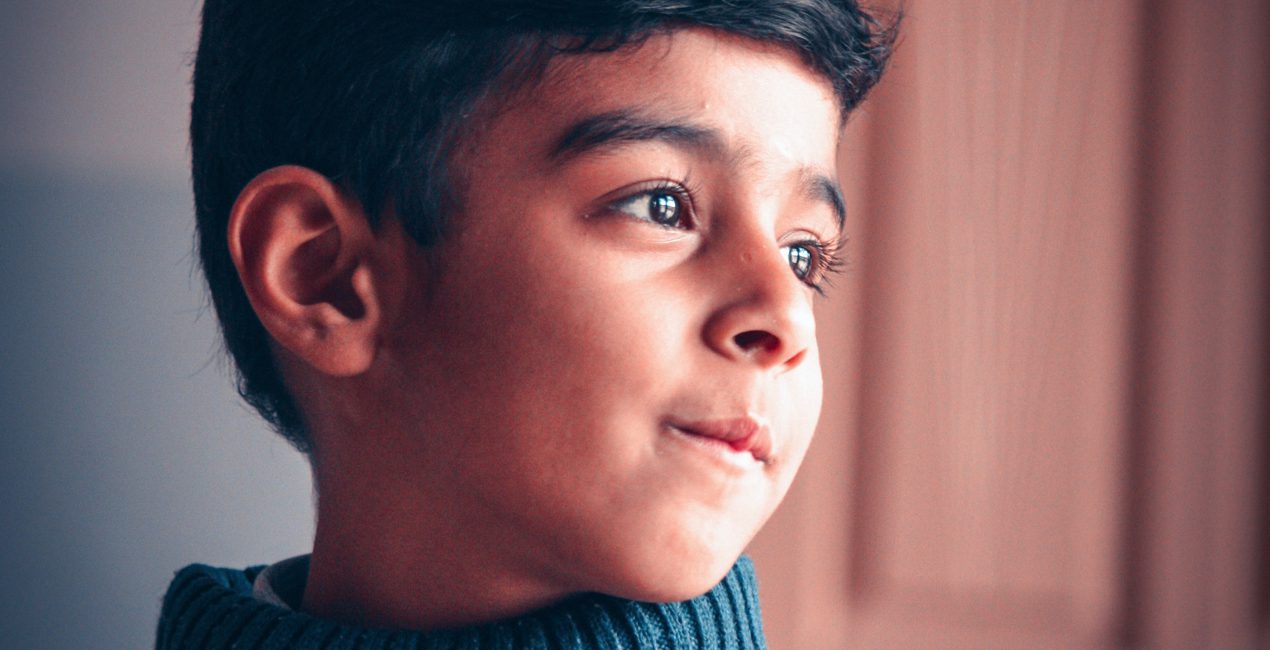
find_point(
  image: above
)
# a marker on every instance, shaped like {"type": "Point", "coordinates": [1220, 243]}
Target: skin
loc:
{"type": "Point", "coordinates": [491, 416]}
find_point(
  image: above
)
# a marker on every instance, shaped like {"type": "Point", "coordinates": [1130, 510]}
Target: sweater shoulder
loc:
{"type": "Point", "coordinates": [213, 607]}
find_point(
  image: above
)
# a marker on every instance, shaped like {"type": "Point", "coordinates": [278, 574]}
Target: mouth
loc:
{"type": "Point", "coordinates": [743, 435]}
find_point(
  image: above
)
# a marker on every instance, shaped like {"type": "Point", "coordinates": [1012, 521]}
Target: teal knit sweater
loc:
{"type": "Point", "coordinates": [207, 607]}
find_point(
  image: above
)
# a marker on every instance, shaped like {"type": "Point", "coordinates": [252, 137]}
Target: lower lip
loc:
{"type": "Point", "coordinates": [718, 450]}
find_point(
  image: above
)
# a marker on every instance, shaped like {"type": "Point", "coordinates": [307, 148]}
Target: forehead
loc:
{"type": "Point", "coordinates": [762, 100]}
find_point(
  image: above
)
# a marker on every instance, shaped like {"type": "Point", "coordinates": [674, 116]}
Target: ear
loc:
{"type": "Point", "coordinates": [303, 250]}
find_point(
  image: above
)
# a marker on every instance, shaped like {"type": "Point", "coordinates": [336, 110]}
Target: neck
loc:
{"type": "Point", "coordinates": [388, 555]}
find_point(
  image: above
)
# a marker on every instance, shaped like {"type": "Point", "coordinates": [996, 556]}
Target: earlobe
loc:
{"type": "Point", "coordinates": [302, 247]}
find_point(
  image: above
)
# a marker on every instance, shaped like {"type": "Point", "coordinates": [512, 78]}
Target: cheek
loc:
{"type": "Point", "coordinates": [586, 314]}
{"type": "Point", "coordinates": [801, 397]}
{"type": "Point", "coordinates": [562, 338]}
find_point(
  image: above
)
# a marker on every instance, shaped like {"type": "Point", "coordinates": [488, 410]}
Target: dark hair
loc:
{"type": "Point", "coordinates": [373, 94]}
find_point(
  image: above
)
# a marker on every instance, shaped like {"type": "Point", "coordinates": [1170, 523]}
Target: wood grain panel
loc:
{"type": "Point", "coordinates": [1046, 413]}
{"type": "Point", "coordinates": [973, 441]}
{"type": "Point", "coordinates": [1204, 364]}
{"type": "Point", "coordinates": [999, 437]}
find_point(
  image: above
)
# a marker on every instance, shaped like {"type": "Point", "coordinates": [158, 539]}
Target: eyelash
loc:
{"type": "Point", "coordinates": [827, 255]}
{"type": "Point", "coordinates": [828, 262]}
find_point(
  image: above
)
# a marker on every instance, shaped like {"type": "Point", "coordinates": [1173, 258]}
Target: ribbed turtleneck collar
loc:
{"type": "Point", "coordinates": [213, 608]}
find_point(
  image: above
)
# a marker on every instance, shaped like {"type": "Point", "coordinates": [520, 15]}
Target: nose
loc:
{"type": "Point", "coordinates": [765, 317]}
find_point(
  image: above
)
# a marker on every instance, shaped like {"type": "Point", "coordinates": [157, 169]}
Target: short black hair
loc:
{"type": "Point", "coordinates": [374, 93]}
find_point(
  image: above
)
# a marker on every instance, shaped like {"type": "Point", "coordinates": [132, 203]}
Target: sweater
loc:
{"type": "Point", "coordinates": [213, 608]}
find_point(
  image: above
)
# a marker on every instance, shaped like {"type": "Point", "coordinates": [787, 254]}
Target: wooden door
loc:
{"type": "Point", "coordinates": [1045, 369]}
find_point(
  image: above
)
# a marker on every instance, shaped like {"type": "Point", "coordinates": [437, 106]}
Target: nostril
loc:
{"type": "Point", "coordinates": [756, 341]}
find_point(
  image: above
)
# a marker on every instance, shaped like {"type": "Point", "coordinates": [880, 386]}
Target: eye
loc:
{"type": "Point", "coordinates": [813, 261]}
{"type": "Point", "coordinates": [802, 260]}
{"type": "Point", "coordinates": [662, 206]}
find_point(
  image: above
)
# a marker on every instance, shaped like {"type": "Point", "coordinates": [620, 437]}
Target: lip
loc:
{"type": "Point", "coordinates": [745, 435]}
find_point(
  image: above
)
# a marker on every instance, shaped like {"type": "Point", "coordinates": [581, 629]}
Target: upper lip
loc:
{"type": "Point", "coordinates": [745, 433]}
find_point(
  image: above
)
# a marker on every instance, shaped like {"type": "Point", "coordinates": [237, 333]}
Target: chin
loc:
{"type": "Point", "coordinates": [688, 587]}
{"type": "Point", "coordinates": [679, 587]}
{"type": "Point", "coordinates": [672, 575]}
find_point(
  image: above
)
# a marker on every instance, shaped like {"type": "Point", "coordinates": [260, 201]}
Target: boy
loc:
{"type": "Point", "coordinates": [531, 284]}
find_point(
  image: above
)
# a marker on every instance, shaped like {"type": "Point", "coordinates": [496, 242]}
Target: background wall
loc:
{"type": "Point", "coordinates": [1047, 421]}
{"type": "Point", "coordinates": [123, 454]}
{"type": "Point", "coordinates": [1046, 369]}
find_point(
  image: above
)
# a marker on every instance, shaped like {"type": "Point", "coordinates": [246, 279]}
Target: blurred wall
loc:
{"type": "Point", "coordinates": [1045, 421]}
{"type": "Point", "coordinates": [124, 453]}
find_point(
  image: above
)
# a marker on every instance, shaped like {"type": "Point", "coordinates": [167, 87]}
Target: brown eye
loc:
{"type": "Point", "coordinates": [664, 208]}
{"type": "Point", "coordinates": [801, 260]}
{"type": "Point", "coordinates": [658, 206]}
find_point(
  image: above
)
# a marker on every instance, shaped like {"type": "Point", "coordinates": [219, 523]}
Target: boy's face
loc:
{"type": "Point", "coordinates": [626, 285]}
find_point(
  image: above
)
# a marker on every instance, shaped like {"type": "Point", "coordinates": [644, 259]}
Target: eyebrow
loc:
{"type": "Point", "coordinates": [619, 127]}
{"type": "Point", "coordinates": [822, 188]}
{"type": "Point", "coordinates": [615, 128]}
